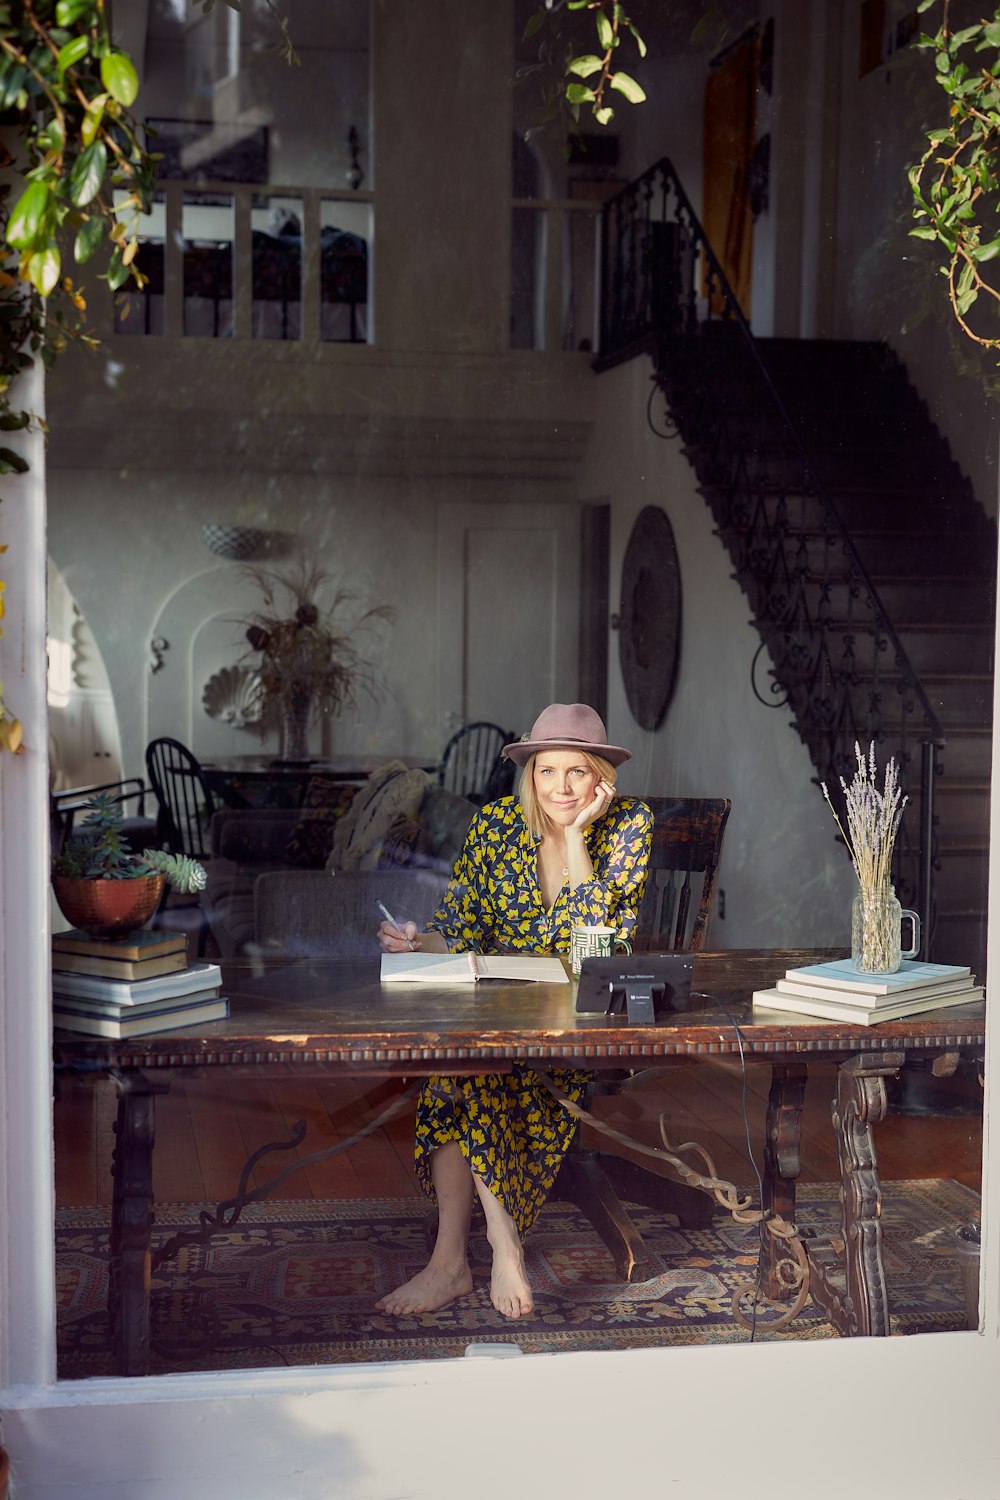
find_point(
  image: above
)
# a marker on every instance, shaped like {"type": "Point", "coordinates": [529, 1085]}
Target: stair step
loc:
{"type": "Point", "coordinates": [930, 648]}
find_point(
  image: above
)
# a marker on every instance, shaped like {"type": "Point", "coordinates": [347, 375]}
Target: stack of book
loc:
{"type": "Point", "coordinates": [837, 991]}
{"type": "Point", "coordinates": [135, 985]}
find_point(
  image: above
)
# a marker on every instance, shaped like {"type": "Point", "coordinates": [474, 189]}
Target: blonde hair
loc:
{"type": "Point", "coordinates": [539, 822]}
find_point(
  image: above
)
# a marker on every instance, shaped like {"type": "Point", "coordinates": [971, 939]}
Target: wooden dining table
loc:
{"type": "Point", "coordinates": [335, 1017]}
{"type": "Point", "coordinates": [246, 781]}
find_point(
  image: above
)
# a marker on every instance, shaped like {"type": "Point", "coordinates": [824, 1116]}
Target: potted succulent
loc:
{"type": "Point", "coordinates": [104, 889]}
{"type": "Point", "coordinates": [305, 653]}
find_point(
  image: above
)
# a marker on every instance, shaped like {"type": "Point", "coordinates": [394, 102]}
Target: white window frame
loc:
{"type": "Point", "coordinates": [914, 1415]}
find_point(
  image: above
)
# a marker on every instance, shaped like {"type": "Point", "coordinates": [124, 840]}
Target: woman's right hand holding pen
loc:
{"type": "Point", "coordinates": [399, 937]}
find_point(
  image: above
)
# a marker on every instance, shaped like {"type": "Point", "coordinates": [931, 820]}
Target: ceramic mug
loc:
{"type": "Point", "coordinates": [594, 942]}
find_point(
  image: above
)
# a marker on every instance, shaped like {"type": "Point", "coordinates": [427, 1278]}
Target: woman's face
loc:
{"type": "Point", "coordinates": [564, 785]}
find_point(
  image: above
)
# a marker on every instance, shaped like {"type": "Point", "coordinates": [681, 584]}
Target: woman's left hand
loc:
{"type": "Point", "coordinates": [603, 796]}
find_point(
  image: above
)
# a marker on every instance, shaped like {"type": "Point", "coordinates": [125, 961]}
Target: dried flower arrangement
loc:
{"type": "Point", "coordinates": [873, 819]}
{"type": "Point", "coordinates": [308, 663]}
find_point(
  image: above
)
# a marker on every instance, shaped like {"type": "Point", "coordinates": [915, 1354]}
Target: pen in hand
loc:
{"type": "Point", "coordinates": [391, 919]}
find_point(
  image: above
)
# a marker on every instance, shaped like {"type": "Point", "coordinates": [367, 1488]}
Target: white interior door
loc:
{"type": "Point", "coordinates": [508, 592]}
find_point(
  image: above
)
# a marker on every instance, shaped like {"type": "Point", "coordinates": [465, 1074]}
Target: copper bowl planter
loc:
{"type": "Point", "coordinates": [107, 908]}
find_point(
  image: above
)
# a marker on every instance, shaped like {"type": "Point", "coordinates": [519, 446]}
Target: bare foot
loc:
{"type": "Point", "coordinates": [431, 1289]}
{"type": "Point", "coordinates": [509, 1289]}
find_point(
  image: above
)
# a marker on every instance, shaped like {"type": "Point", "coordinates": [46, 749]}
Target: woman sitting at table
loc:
{"type": "Point", "coordinates": [563, 852]}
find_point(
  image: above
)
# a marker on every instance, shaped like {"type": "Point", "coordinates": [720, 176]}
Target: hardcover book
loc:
{"type": "Point", "coordinates": [840, 974]}
{"type": "Point", "coordinates": [858, 1013]}
{"type": "Point", "coordinates": [92, 1005]}
{"type": "Point", "coordinates": [143, 943]}
{"type": "Point", "coordinates": [120, 968]}
{"type": "Point", "coordinates": [144, 1024]}
{"type": "Point", "coordinates": [200, 976]}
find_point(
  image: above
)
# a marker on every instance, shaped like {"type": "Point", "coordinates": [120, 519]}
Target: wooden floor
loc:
{"type": "Point", "coordinates": [208, 1125]}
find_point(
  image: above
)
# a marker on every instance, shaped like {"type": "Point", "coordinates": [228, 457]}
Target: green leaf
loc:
{"type": "Point", "coordinates": [30, 217]}
{"type": "Point", "coordinates": [923, 233]}
{"type": "Point", "coordinates": [924, 5]}
{"type": "Point", "coordinates": [73, 52]}
{"type": "Point", "coordinates": [11, 82]}
{"type": "Point", "coordinates": [42, 269]}
{"type": "Point", "coordinates": [578, 93]}
{"type": "Point", "coordinates": [638, 40]}
{"type": "Point", "coordinates": [11, 462]}
{"type": "Point", "coordinates": [117, 273]}
{"type": "Point", "coordinates": [68, 12]}
{"type": "Point", "coordinates": [584, 66]}
{"type": "Point", "coordinates": [604, 115]}
{"type": "Point", "coordinates": [88, 173]}
{"type": "Point", "coordinates": [605, 34]}
{"type": "Point", "coordinates": [964, 300]}
{"type": "Point", "coordinates": [119, 77]}
{"type": "Point", "coordinates": [93, 115]}
{"type": "Point", "coordinates": [987, 252]}
{"type": "Point", "coordinates": [534, 23]}
{"type": "Point", "coordinates": [88, 239]}
{"type": "Point", "coordinates": [628, 86]}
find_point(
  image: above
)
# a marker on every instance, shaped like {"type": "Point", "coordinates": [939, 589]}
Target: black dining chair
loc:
{"type": "Point", "coordinates": [139, 830]}
{"type": "Point", "coordinates": [472, 765]}
{"type": "Point", "coordinates": [185, 804]}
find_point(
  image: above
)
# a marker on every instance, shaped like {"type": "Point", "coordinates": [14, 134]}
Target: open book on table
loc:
{"type": "Point", "coordinates": [468, 968]}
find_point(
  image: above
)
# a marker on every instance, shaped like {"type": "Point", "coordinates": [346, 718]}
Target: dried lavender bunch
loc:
{"type": "Point", "coordinates": [873, 819]}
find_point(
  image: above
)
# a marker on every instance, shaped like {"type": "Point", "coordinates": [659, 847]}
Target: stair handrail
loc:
{"type": "Point", "coordinates": [648, 338]}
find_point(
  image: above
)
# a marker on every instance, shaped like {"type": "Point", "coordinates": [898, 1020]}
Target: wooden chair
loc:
{"type": "Point", "coordinates": [185, 806]}
{"type": "Point", "coordinates": [185, 799]}
{"type": "Point", "coordinates": [472, 765]}
{"type": "Point", "coordinates": [674, 917]}
{"type": "Point", "coordinates": [64, 805]}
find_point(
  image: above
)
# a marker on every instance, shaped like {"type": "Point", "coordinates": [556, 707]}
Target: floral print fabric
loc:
{"type": "Point", "coordinates": [511, 1131]}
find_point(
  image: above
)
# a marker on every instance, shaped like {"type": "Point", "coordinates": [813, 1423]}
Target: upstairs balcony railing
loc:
{"type": "Point", "coordinates": [836, 659]}
{"type": "Point", "coordinates": [236, 260]}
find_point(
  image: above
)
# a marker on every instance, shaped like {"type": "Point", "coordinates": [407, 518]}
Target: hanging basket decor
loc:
{"type": "Point", "coordinates": [237, 543]}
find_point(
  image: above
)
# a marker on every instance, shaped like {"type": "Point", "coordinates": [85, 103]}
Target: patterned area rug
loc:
{"type": "Point", "coordinates": [294, 1283]}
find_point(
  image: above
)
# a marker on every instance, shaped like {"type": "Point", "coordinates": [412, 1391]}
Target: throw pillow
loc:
{"type": "Point", "coordinates": [402, 844]}
{"type": "Point", "coordinates": [390, 791]}
{"type": "Point", "coordinates": [324, 804]}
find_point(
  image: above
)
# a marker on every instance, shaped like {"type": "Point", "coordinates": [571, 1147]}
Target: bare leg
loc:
{"type": "Point", "coordinates": [447, 1274]}
{"type": "Point", "coordinates": [509, 1289]}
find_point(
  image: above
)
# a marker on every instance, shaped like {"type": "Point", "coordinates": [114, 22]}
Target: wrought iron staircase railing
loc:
{"type": "Point", "coordinates": [835, 656]}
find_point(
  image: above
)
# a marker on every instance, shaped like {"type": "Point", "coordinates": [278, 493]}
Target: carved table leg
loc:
{"type": "Point", "coordinates": [782, 1164]}
{"type": "Point", "coordinates": [847, 1277]}
{"type": "Point", "coordinates": [131, 1222]}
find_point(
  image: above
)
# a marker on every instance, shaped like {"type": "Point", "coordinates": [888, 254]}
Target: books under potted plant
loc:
{"type": "Point", "coordinates": [102, 887]}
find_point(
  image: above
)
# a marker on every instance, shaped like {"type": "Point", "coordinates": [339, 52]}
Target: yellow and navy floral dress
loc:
{"type": "Point", "coordinates": [511, 1131]}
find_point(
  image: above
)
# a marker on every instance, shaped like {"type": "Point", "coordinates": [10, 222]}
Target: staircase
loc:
{"type": "Point", "coordinates": [866, 560]}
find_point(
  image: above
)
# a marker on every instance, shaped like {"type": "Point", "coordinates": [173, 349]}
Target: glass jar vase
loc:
{"type": "Point", "coordinates": [876, 931]}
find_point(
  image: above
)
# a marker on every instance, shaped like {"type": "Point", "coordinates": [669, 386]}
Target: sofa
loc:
{"type": "Point", "coordinates": [304, 881]}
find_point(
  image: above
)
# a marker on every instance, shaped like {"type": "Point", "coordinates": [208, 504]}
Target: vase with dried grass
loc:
{"type": "Point", "coordinates": [873, 819]}
{"type": "Point", "coordinates": [305, 651]}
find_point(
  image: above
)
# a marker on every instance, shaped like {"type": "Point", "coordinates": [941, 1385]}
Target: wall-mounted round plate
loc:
{"type": "Point", "coordinates": [649, 639]}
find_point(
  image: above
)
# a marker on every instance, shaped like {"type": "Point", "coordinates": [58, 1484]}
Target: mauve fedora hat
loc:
{"type": "Point", "coordinates": [567, 726]}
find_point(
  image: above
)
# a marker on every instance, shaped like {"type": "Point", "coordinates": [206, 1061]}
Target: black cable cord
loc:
{"type": "Point", "coordinates": [758, 1279]}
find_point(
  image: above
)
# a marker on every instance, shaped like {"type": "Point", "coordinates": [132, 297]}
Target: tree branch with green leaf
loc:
{"type": "Point", "coordinates": [575, 77]}
{"type": "Point", "coordinates": [956, 183]}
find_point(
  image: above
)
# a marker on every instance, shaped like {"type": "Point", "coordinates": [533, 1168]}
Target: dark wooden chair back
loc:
{"type": "Point", "coordinates": [185, 800]}
{"type": "Point", "coordinates": [472, 765]}
{"type": "Point", "coordinates": [683, 872]}
{"type": "Point", "coordinates": [65, 804]}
